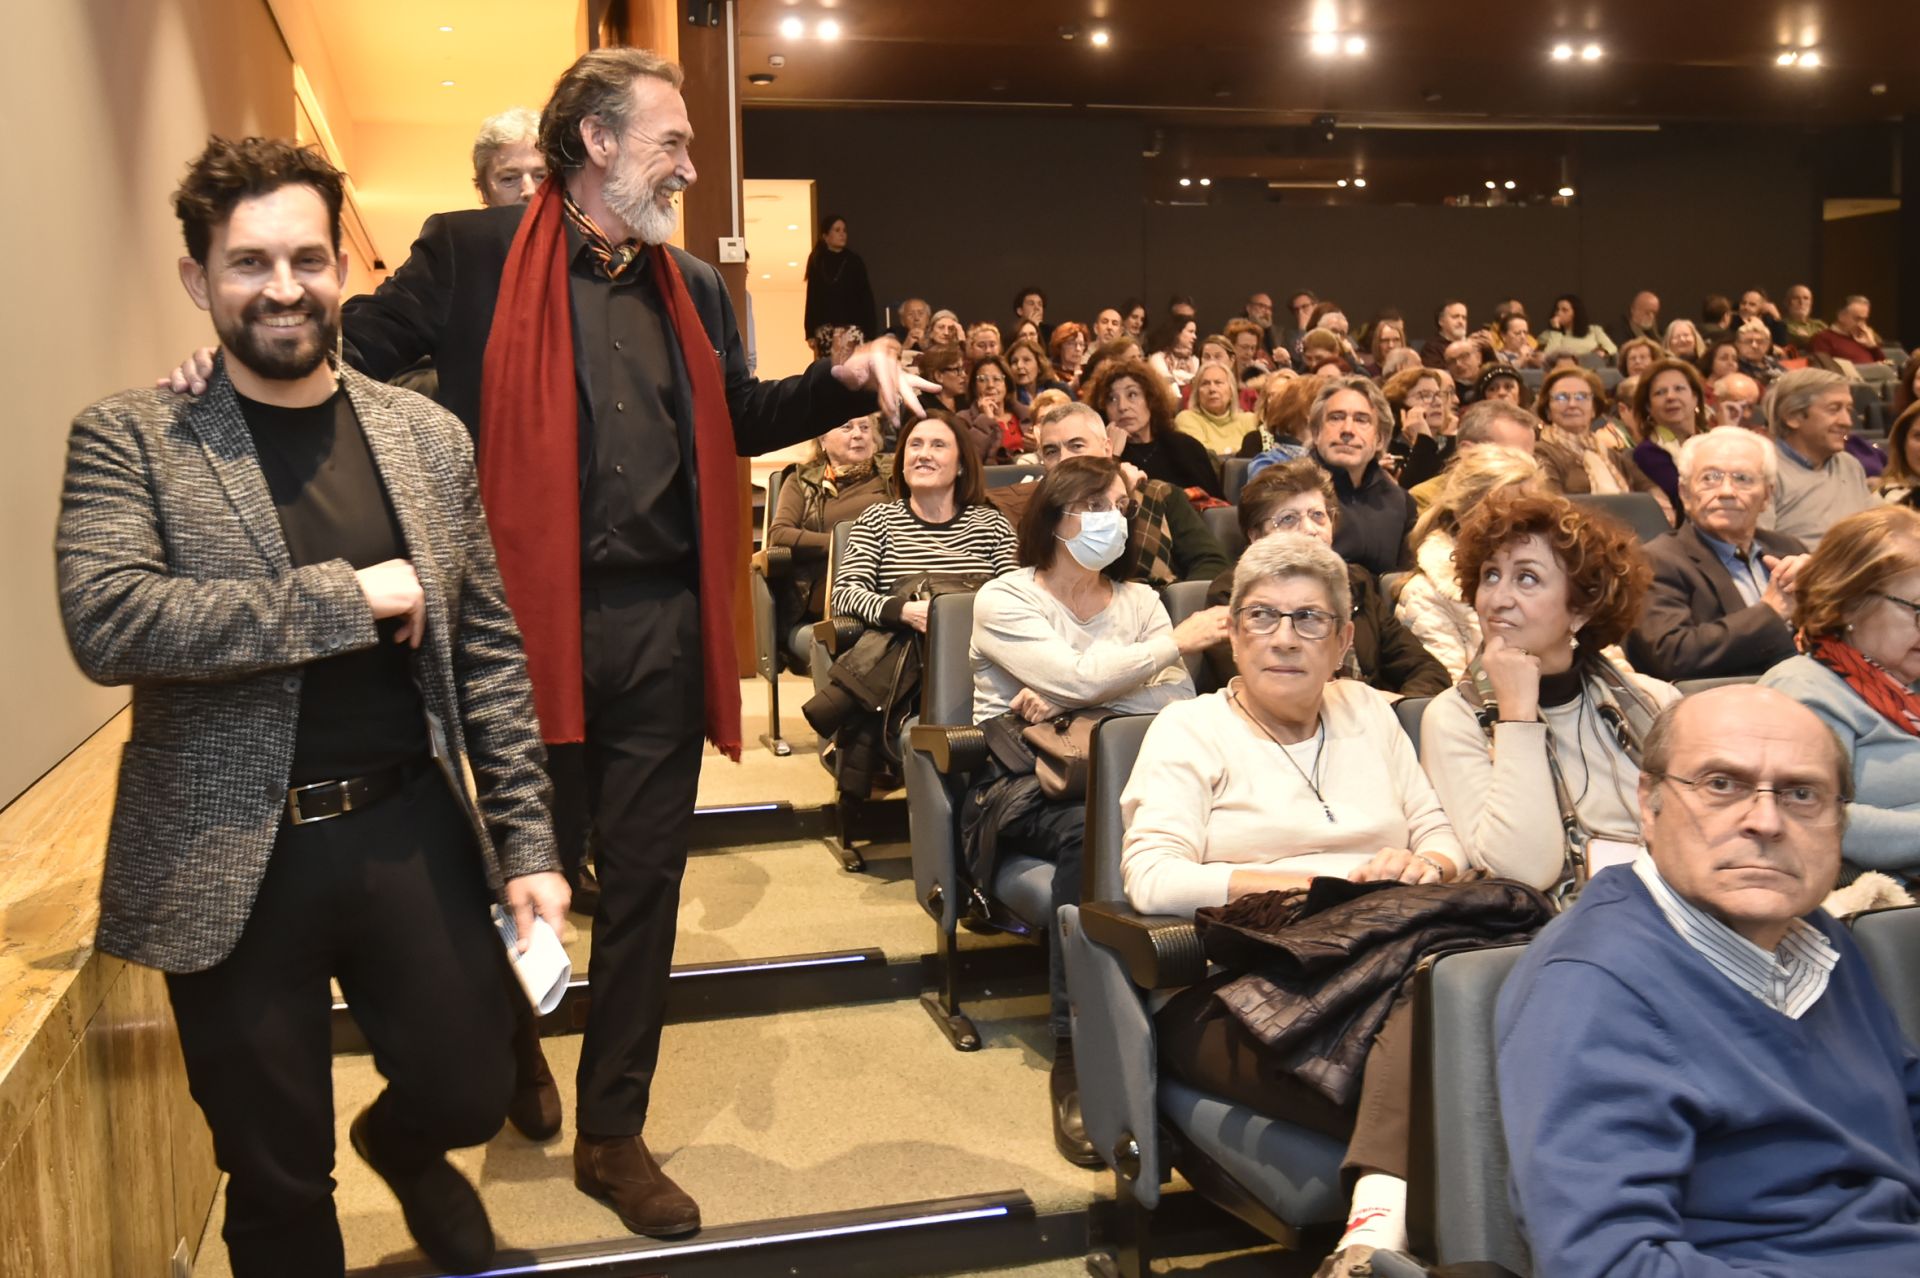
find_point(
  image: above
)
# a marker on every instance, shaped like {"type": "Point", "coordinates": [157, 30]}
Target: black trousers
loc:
{"type": "Point", "coordinates": [391, 901]}
{"type": "Point", "coordinates": [1056, 831]}
{"type": "Point", "coordinates": [645, 716]}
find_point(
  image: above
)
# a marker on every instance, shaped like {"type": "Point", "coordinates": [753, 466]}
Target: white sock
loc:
{"type": "Point", "coordinates": [1378, 1216]}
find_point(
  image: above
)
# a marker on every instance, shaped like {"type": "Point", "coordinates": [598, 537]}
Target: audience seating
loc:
{"type": "Point", "coordinates": [946, 751]}
{"type": "Point", "coordinates": [1638, 511]}
{"type": "Point", "coordinates": [1410, 710]}
{"type": "Point", "coordinates": [1005, 476]}
{"type": "Point", "coordinates": [1279, 1178]}
{"type": "Point", "coordinates": [1689, 686]}
{"type": "Point", "coordinates": [833, 635]}
{"type": "Point", "coordinates": [1233, 477]}
{"type": "Point", "coordinates": [1224, 523]}
{"type": "Point", "coordinates": [774, 652]}
{"type": "Point", "coordinates": [1182, 600]}
{"type": "Point", "coordinates": [1890, 939]}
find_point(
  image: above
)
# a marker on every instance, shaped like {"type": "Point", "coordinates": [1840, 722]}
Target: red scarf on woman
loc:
{"type": "Point", "coordinates": [530, 473]}
{"type": "Point", "coordinates": [1876, 686]}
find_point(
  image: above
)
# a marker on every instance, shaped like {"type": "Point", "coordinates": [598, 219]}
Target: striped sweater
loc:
{"type": "Point", "coordinates": [889, 543]}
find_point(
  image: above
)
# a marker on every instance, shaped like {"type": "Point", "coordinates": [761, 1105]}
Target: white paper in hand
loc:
{"type": "Point", "coordinates": [544, 970]}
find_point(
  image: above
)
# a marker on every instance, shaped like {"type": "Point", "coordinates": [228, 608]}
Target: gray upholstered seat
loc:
{"type": "Point", "coordinates": [1233, 477]}
{"type": "Point", "coordinates": [1224, 523]}
{"type": "Point", "coordinates": [1638, 511]}
{"type": "Point", "coordinates": [1891, 941]}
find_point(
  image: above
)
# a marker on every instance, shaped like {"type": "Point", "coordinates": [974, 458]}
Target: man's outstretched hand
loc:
{"type": "Point", "coordinates": [875, 366]}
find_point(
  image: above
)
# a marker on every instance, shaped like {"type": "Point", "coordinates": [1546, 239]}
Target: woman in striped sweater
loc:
{"type": "Point", "coordinates": [941, 524]}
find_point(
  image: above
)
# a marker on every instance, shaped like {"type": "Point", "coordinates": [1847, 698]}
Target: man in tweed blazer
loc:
{"type": "Point", "coordinates": [294, 574]}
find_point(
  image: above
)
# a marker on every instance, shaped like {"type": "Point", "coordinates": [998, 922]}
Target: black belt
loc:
{"type": "Point", "coordinates": [325, 800]}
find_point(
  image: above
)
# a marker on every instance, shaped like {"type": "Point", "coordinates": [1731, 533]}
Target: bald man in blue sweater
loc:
{"type": "Point", "coordinates": [1698, 1077]}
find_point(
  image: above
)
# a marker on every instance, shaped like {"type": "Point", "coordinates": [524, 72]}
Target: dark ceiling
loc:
{"type": "Point", "coordinates": [1433, 109]}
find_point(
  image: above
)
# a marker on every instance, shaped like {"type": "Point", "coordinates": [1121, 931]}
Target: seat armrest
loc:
{"type": "Point", "coordinates": [774, 562]}
{"type": "Point", "coordinates": [954, 748]}
{"type": "Point", "coordinates": [837, 634]}
{"type": "Point", "coordinates": [1161, 951]}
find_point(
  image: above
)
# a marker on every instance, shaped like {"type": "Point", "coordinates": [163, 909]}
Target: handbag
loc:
{"type": "Point", "coordinates": [1061, 749]}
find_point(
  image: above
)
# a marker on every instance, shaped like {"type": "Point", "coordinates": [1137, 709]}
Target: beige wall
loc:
{"type": "Point", "coordinates": [405, 173]}
{"type": "Point", "coordinates": [129, 90]}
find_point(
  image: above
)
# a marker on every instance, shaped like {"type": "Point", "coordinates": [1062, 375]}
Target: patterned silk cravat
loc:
{"type": "Point", "coordinates": [613, 261]}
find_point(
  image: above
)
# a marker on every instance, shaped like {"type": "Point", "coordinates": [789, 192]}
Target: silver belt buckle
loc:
{"type": "Point", "coordinates": [293, 803]}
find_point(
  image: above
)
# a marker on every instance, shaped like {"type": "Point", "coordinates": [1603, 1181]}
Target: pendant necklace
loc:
{"type": "Point", "coordinates": [1320, 742]}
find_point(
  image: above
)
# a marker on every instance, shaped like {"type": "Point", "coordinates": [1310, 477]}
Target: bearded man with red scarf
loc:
{"type": "Point", "coordinates": [605, 380]}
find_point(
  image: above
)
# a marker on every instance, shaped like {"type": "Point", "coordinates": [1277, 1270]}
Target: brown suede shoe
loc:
{"type": "Point", "coordinates": [534, 1110]}
{"type": "Point", "coordinates": [620, 1171]}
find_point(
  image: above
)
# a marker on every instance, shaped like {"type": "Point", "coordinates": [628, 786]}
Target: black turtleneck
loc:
{"type": "Point", "coordinates": [1563, 688]}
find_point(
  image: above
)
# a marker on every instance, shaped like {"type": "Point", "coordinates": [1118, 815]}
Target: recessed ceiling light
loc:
{"type": "Point", "coordinates": [793, 263]}
{"type": "Point", "coordinates": [1359, 181]}
{"type": "Point", "coordinates": [1324, 43]}
{"type": "Point", "coordinates": [1562, 52]}
{"type": "Point", "coordinates": [1591, 52]}
{"type": "Point", "coordinates": [1566, 192]}
{"type": "Point", "coordinates": [1339, 181]}
{"type": "Point", "coordinates": [792, 28]}
{"type": "Point", "coordinates": [1186, 181]}
{"type": "Point", "coordinates": [1509, 184]}
{"type": "Point", "coordinates": [1100, 37]}
{"type": "Point", "coordinates": [446, 84]}
{"type": "Point", "coordinates": [1786, 57]}
{"type": "Point", "coordinates": [446, 29]}
{"type": "Point", "coordinates": [1490, 184]}
{"type": "Point", "coordinates": [1355, 46]}
{"type": "Point", "coordinates": [1809, 59]}
{"type": "Point", "coordinates": [827, 29]}
{"type": "Point", "coordinates": [1206, 181]}
{"type": "Point", "coordinates": [793, 226]}
{"type": "Point", "coordinates": [766, 275]}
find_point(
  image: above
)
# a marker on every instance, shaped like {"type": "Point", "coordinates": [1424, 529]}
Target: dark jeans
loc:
{"type": "Point", "coordinates": [393, 902]}
{"type": "Point", "coordinates": [645, 724]}
{"type": "Point", "coordinates": [1056, 831]}
{"type": "Point", "coordinates": [1204, 1045]}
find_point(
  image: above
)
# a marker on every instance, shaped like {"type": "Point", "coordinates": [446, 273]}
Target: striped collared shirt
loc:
{"type": "Point", "coordinates": [1789, 980]}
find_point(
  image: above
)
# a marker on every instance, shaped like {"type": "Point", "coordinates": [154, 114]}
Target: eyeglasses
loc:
{"type": "Point", "coordinates": [1425, 398]}
{"type": "Point", "coordinates": [1573, 397]}
{"type": "Point", "coordinates": [1807, 804]}
{"type": "Point", "coordinates": [1903, 603]}
{"type": "Point", "coordinates": [1742, 481]}
{"type": "Point", "coordinates": [1290, 520]}
{"type": "Point", "coordinates": [1308, 623]}
{"type": "Point", "coordinates": [1099, 506]}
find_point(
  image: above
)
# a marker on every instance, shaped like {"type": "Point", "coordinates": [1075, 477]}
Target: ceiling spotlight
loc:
{"type": "Point", "coordinates": [828, 29]}
{"type": "Point", "coordinates": [1566, 192]}
{"type": "Point", "coordinates": [1786, 57]}
{"type": "Point", "coordinates": [1339, 181]}
{"type": "Point", "coordinates": [1509, 184]}
{"type": "Point", "coordinates": [1206, 181]}
{"type": "Point", "coordinates": [446, 84]}
{"type": "Point", "coordinates": [1490, 184]}
{"type": "Point", "coordinates": [792, 28]}
{"type": "Point", "coordinates": [793, 263]}
{"type": "Point", "coordinates": [1591, 52]}
{"type": "Point", "coordinates": [1100, 37]}
{"type": "Point", "coordinates": [1562, 52]}
{"type": "Point", "coordinates": [1324, 43]}
{"type": "Point", "coordinates": [1355, 46]}
{"type": "Point", "coordinates": [446, 28]}
{"type": "Point", "coordinates": [1359, 181]}
{"type": "Point", "coordinates": [1809, 59]}
{"type": "Point", "coordinates": [1186, 181]}
{"type": "Point", "coordinates": [793, 226]}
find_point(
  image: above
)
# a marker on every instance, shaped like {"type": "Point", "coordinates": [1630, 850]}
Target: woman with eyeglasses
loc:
{"type": "Point", "coordinates": [1058, 634]}
{"type": "Point", "coordinates": [1426, 429]}
{"type": "Point", "coordinates": [1297, 498]}
{"type": "Point", "coordinates": [1536, 751]}
{"type": "Point", "coordinates": [996, 430]}
{"type": "Point", "coordinates": [1430, 603]}
{"type": "Point", "coordinates": [946, 367]}
{"type": "Point", "coordinates": [1285, 775]}
{"type": "Point", "coordinates": [1579, 461]}
{"type": "Point", "coordinates": [1857, 611]}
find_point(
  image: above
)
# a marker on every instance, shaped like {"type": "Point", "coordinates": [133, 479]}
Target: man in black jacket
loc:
{"type": "Point", "coordinates": [1722, 587]}
{"type": "Point", "coordinates": [1346, 424]}
{"type": "Point", "coordinates": [616, 136]}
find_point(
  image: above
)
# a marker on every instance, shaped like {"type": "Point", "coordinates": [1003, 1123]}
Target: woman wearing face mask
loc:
{"type": "Point", "coordinates": [1544, 729]}
{"type": "Point", "coordinates": [1061, 634]}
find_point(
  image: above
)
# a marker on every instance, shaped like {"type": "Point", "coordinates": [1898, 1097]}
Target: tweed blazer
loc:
{"type": "Point", "coordinates": [175, 578]}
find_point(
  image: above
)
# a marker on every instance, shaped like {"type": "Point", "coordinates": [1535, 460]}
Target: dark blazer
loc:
{"type": "Point", "coordinates": [1695, 625]}
{"type": "Point", "coordinates": [175, 578]}
{"type": "Point", "coordinates": [1389, 656]}
{"type": "Point", "coordinates": [1375, 517]}
{"type": "Point", "coordinates": [440, 304]}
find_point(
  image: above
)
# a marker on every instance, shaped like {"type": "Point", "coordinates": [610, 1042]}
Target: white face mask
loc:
{"type": "Point", "coordinates": [1102, 536]}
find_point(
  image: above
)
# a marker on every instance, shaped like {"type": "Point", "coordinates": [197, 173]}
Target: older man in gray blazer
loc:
{"type": "Point", "coordinates": [294, 574]}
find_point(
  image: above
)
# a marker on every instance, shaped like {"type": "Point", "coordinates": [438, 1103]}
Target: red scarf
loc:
{"type": "Point", "coordinates": [530, 473]}
{"type": "Point", "coordinates": [1876, 686]}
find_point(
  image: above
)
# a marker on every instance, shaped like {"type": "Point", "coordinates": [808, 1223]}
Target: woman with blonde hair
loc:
{"type": "Point", "coordinates": [1213, 414]}
{"type": "Point", "coordinates": [1431, 603]}
{"type": "Point", "coordinates": [1900, 482]}
{"type": "Point", "coordinates": [1856, 608]}
{"type": "Point", "coordinates": [1683, 341]}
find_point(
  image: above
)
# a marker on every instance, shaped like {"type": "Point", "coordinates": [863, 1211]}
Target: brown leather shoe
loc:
{"type": "Point", "coordinates": [622, 1172]}
{"type": "Point", "coordinates": [534, 1110]}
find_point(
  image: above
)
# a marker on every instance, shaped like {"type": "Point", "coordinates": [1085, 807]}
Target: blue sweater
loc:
{"type": "Point", "coordinates": [1883, 825]}
{"type": "Point", "coordinates": [1664, 1123]}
